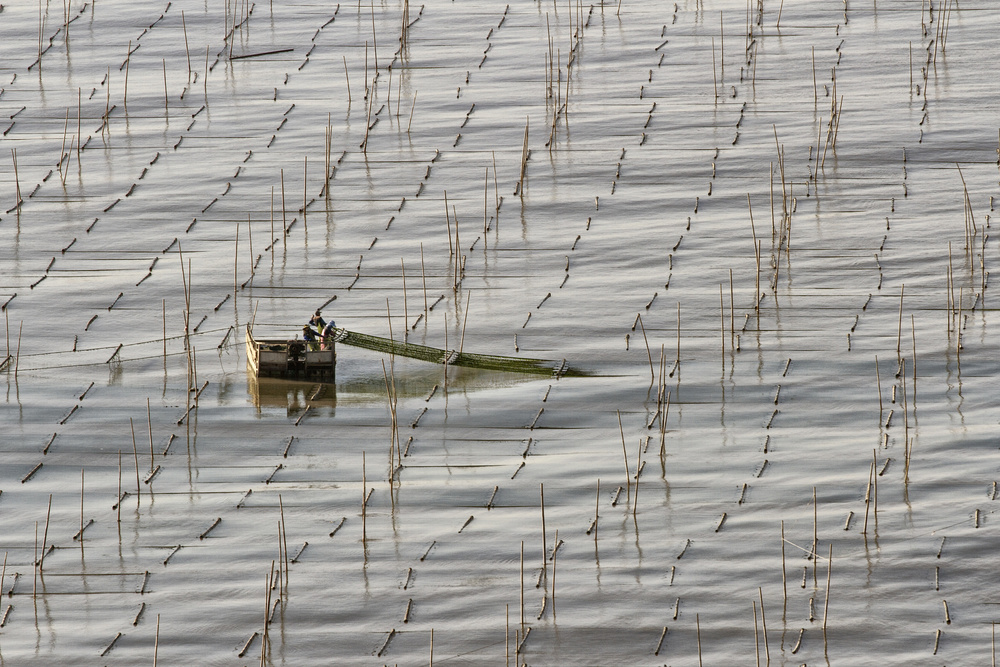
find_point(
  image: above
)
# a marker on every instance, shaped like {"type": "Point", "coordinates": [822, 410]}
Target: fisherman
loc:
{"type": "Point", "coordinates": [317, 321]}
{"type": "Point", "coordinates": [327, 336]}
{"type": "Point", "coordinates": [309, 335]}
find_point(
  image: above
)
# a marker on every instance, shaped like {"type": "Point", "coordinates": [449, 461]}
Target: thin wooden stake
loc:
{"type": "Point", "coordinates": [149, 423]}
{"type": "Point", "coordinates": [756, 638]}
{"type": "Point", "coordinates": [826, 604]}
{"type": "Point", "coordinates": [784, 581]}
{"type": "Point", "coordinates": [81, 514]}
{"type": "Point", "coordinates": [541, 491]}
{"type": "Point", "coordinates": [628, 479]}
{"type": "Point", "coordinates": [423, 279]}
{"type": "Point", "coordinates": [878, 383]}
{"type": "Point", "coordinates": [522, 585]}
{"type": "Point", "coordinates": [697, 622]}
{"type": "Point", "coordinates": [156, 641]}
{"type": "Point", "coordinates": [188, 53]}
{"type": "Point", "coordinates": [135, 454]}
{"type": "Point", "coordinates": [763, 622]}
{"type": "Point", "coordinates": [166, 105]}
{"type": "Point", "coordinates": [45, 535]}
{"type": "Point", "coordinates": [348, 77]}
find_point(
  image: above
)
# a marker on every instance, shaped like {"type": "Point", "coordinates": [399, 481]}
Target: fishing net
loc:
{"type": "Point", "coordinates": [453, 357]}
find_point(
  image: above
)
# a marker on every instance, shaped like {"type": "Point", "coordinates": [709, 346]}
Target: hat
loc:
{"type": "Point", "coordinates": [317, 313]}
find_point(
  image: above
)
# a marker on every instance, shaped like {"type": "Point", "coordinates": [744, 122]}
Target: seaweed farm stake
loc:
{"type": "Point", "coordinates": [899, 332]}
{"type": "Point", "coordinates": [284, 538]}
{"type": "Point", "coordinates": [284, 224]}
{"type": "Point", "coordinates": [118, 503]}
{"type": "Point", "coordinates": [678, 362]}
{"type": "Point", "coordinates": [265, 637]}
{"type": "Point", "coordinates": [166, 108]}
{"type": "Point", "coordinates": [406, 312]}
{"type": "Point", "coordinates": [638, 469]}
{"type": "Point", "coordinates": [447, 219]}
{"type": "Point", "coordinates": [486, 192]}
{"type": "Point", "coordinates": [204, 81]}
{"type": "Point", "coordinates": [506, 634]}
{"type": "Point", "coordinates": [784, 582]}
{"type": "Point", "coordinates": [394, 428]}
{"type": "Point", "coordinates": [412, 105]}
{"type": "Point", "coordinates": [763, 623]}
{"type": "Point", "coordinates": [756, 639]}
{"type": "Point", "coordinates": [135, 453]}
{"type": "Point", "coordinates": [17, 180]}
{"type": "Point", "coordinates": [868, 497]}
{"type": "Point", "coordinates": [732, 324]}
{"type": "Point", "coordinates": [522, 582]}
{"type": "Point", "coordinates": [715, 81]}
{"type": "Point", "coordinates": [826, 603]}
{"type": "Point", "coordinates": [722, 327]}
{"type": "Point", "coordinates": [423, 278]}
{"type": "Point", "coordinates": [541, 491]}
{"type": "Point", "coordinates": [496, 191]}
{"type": "Point", "coordinates": [81, 514]}
{"type": "Point", "coordinates": [45, 535]}
{"type": "Point", "coordinates": [253, 265]}
{"type": "Point", "coordinates": [465, 320]}
{"type": "Point", "coordinates": [875, 489]}
{"type": "Point", "coordinates": [17, 357]}
{"type": "Point", "coordinates": [597, 510]}
{"type": "Point", "coordinates": [519, 190]}
{"type": "Point", "coordinates": [149, 423]}
{"type": "Point", "coordinates": [878, 383]}
{"type": "Point", "coordinates": [554, 575]}
{"type": "Point", "coordinates": [34, 566]}
{"type": "Point", "coordinates": [913, 335]}
{"type": "Point", "coordinates": [164, 311]}
{"type": "Point", "coordinates": [906, 412]}
{"type": "Point", "coordinates": [652, 375]}
{"type": "Point", "coordinates": [815, 543]}
{"type": "Point", "coordinates": [458, 251]}
{"type": "Point", "coordinates": [364, 504]}
{"type": "Point", "coordinates": [628, 480]}
{"type": "Point", "coordinates": [697, 624]}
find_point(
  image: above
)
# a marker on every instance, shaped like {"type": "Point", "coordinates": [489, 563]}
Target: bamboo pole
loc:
{"type": "Point", "coordinates": [763, 623]}
{"type": "Point", "coordinates": [628, 478]}
{"type": "Point", "coordinates": [187, 51]}
{"type": "Point", "coordinates": [135, 454]}
{"type": "Point", "coordinates": [541, 492]}
{"type": "Point", "coordinates": [522, 585]}
{"type": "Point", "coordinates": [423, 278]}
{"type": "Point", "coordinates": [166, 105]}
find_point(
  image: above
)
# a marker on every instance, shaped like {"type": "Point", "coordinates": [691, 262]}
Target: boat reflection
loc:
{"type": "Point", "coordinates": [293, 395]}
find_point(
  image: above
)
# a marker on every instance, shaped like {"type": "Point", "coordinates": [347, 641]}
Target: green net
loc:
{"type": "Point", "coordinates": [453, 358]}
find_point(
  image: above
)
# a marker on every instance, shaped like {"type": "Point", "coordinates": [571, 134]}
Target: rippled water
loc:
{"type": "Point", "coordinates": [777, 419]}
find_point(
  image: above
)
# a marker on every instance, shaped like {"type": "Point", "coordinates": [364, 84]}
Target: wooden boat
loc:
{"type": "Point", "coordinates": [292, 359]}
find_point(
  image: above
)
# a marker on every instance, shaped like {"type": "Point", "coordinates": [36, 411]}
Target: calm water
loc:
{"type": "Point", "coordinates": [748, 392]}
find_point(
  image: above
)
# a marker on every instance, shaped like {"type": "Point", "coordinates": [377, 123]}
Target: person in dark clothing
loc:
{"type": "Point", "coordinates": [309, 335]}
{"type": "Point", "coordinates": [317, 321]}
